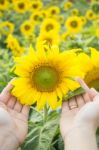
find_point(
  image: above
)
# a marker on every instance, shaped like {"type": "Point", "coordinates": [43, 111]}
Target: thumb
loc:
{"type": "Point", "coordinates": [92, 92]}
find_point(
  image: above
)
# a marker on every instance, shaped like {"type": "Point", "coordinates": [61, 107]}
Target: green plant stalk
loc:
{"type": "Point", "coordinates": [45, 113]}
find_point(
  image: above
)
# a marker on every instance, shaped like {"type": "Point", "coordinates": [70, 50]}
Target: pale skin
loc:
{"type": "Point", "coordinates": [13, 121]}
{"type": "Point", "coordinates": [79, 129]}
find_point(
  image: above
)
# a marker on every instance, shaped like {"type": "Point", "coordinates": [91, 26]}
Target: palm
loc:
{"type": "Point", "coordinates": [15, 114]}
{"type": "Point", "coordinates": [69, 111]}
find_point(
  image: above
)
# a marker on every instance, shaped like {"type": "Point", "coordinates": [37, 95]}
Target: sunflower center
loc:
{"type": "Point", "coordinates": [35, 6]}
{"type": "Point", "coordinates": [45, 78]}
{"type": "Point", "coordinates": [91, 14]}
{"type": "Point", "coordinates": [48, 41]}
{"type": "Point", "coordinates": [74, 24]}
{"type": "Point", "coordinates": [2, 2]}
{"type": "Point", "coordinates": [36, 17]}
{"type": "Point", "coordinates": [53, 12]}
{"type": "Point", "coordinates": [27, 27]}
{"type": "Point", "coordinates": [21, 5]}
{"type": "Point", "coordinates": [92, 78]}
{"type": "Point", "coordinates": [49, 27]}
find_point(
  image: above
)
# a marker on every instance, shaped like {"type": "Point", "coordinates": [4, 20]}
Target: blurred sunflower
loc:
{"type": "Point", "coordinates": [36, 17]}
{"type": "Point", "coordinates": [48, 39]}
{"type": "Point", "coordinates": [67, 5]}
{"type": "Point", "coordinates": [90, 15]}
{"type": "Point", "coordinates": [44, 13]}
{"type": "Point", "coordinates": [60, 19]}
{"type": "Point", "coordinates": [97, 16]}
{"type": "Point", "coordinates": [27, 28]}
{"type": "Point", "coordinates": [43, 78]}
{"type": "Point", "coordinates": [97, 33]}
{"type": "Point", "coordinates": [75, 11]}
{"type": "Point", "coordinates": [13, 1]}
{"type": "Point", "coordinates": [1, 14]}
{"type": "Point", "coordinates": [4, 4]}
{"type": "Point", "coordinates": [53, 11]}
{"type": "Point", "coordinates": [14, 46]}
{"type": "Point", "coordinates": [91, 66]}
{"type": "Point", "coordinates": [74, 24]}
{"type": "Point", "coordinates": [36, 5]}
{"type": "Point", "coordinates": [84, 21]}
{"type": "Point", "coordinates": [94, 1]}
{"type": "Point", "coordinates": [49, 25]}
{"type": "Point", "coordinates": [65, 36]}
{"type": "Point", "coordinates": [21, 6]}
{"type": "Point", "coordinates": [96, 22]}
{"type": "Point", "coordinates": [7, 27]}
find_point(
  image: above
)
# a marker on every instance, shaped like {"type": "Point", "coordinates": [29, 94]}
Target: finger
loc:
{"type": "Point", "coordinates": [11, 102]}
{"type": "Point", "coordinates": [18, 106]}
{"type": "Point", "coordinates": [72, 103]}
{"type": "Point", "coordinates": [25, 110]}
{"type": "Point", "coordinates": [92, 92]}
{"type": "Point", "coordinates": [86, 97]}
{"type": "Point", "coordinates": [5, 94]}
{"type": "Point", "coordinates": [83, 84]}
{"type": "Point", "coordinates": [65, 107]}
{"type": "Point", "coordinates": [80, 101]}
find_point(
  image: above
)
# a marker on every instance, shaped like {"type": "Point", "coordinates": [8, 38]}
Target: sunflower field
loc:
{"type": "Point", "coordinates": [44, 45]}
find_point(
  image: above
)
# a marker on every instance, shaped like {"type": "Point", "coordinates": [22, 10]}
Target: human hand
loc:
{"type": "Point", "coordinates": [89, 114]}
{"type": "Point", "coordinates": [13, 117]}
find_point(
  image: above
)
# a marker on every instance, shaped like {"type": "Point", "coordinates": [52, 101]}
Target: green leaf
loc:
{"type": "Point", "coordinates": [74, 93]}
{"type": "Point", "coordinates": [41, 134]}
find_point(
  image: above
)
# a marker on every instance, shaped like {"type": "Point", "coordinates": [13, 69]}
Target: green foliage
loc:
{"type": "Point", "coordinates": [5, 67]}
{"type": "Point", "coordinates": [43, 128]}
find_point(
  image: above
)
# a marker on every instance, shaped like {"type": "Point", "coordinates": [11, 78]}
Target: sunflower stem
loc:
{"type": "Point", "coordinates": [45, 113]}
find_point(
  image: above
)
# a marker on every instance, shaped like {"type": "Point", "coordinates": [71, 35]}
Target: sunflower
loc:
{"type": "Point", "coordinates": [74, 24]}
{"type": "Point", "coordinates": [21, 6]}
{"type": "Point", "coordinates": [75, 11]}
{"type": "Point", "coordinates": [7, 27]}
{"type": "Point", "coordinates": [65, 35]}
{"type": "Point", "coordinates": [67, 5]}
{"type": "Point", "coordinates": [13, 1]}
{"type": "Point", "coordinates": [94, 1]}
{"type": "Point", "coordinates": [53, 11]}
{"type": "Point", "coordinates": [4, 4]}
{"type": "Point", "coordinates": [1, 14]}
{"type": "Point", "coordinates": [97, 16]}
{"type": "Point", "coordinates": [50, 25]}
{"type": "Point", "coordinates": [27, 28]}
{"type": "Point", "coordinates": [84, 21]}
{"type": "Point", "coordinates": [45, 77]}
{"type": "Point", "coordinates": [44, 13]}
{"type": "Point", "coordinates": [36, 5]}
{"type": "Point", "coordinates": [14, 46]}
{"type": "Point", "coordinates": [60, 19]}
{"type": "Point", "coordinates": [90, 65]}
{"type": "Point", "coordinates": [90, 15]}
{"type": "Point", "coordinates": [48, 39]}
{"type": "Point", "coordinates": [97, 33]}
{"type": "Point", "coordinates": [36, 17]}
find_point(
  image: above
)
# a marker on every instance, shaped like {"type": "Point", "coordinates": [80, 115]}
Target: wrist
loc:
{"type": "Point", "coordinates": [9, 141]}
{"type": "Point", "coordinates": [80, 128]}
{"type": "Point", "coordinates": [81, 138]}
